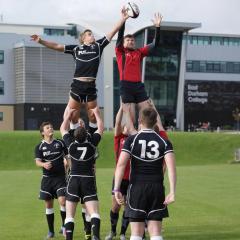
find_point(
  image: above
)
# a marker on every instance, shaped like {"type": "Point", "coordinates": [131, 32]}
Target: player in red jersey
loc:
{"type": "Point", "coordinates": [120, 135]}
{"type": "Point", "coordinates": [129, 60]}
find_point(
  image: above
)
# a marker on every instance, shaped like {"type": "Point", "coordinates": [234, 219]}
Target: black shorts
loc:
{"type": "Point", "coordinates": [145, 202]}
{"type": "Point", "coordinates": [132, 92]}
{"type": "Point", "coordinates": [83, 91]}
{"type": "Point", "coordinates": [123, 187]}
{"type": "Point", "coordinates": [52, 187]}
{"type": "Point", "coordinates": [81, 188]}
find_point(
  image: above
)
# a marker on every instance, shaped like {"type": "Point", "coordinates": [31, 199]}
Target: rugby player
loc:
{"type": "Point", "coordinates": [49, 155]}
{"type": "Point", "coordinates": [82, 182]}
{"type": "Point", "coordinates": [129, 60]}
{"type": "Point", "coordinates": [87, 57]}
{"type": "Point", "coordinates": [146, 198]}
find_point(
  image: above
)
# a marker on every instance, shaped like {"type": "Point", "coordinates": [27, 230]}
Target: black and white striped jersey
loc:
{"type": "Point", "coordinates": [83, 155]}
{"type": "Point", "coordinates": [87, 57]}
{"type": "Point", "coordinates": [147, 150]}
{"type": "Point", "coordinates": [53, 152]}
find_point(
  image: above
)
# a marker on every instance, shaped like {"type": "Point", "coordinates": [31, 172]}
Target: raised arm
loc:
{"type": "Point", "coordinates": [51, 45]}
{"type": "Point", "coordinates": [65, 126]}
{"type": "Point", "coordinates": [119, 25]}
{"type": "Point", "coordinates": [157, 23]}
{"type": "Point", "coordinates": [118, 122]}
{"type": "Point", "coordinates": [171, 167]}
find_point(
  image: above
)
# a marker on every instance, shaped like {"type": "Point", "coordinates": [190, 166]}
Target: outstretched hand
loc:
{"type": "Point", "coordinates": [124, 13]}
{"type": "Point", "coordinates": [157, 19]}
{"type": "Point", "coordinates": [35, 38]}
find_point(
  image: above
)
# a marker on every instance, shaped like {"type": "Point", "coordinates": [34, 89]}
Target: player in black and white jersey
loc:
{"type": "Point", "coordinates": [49, 154]}
{"type": "Point", "coordinates": [87, 57]}
{"type": "Point", "coordinates": [146, 198]}
{"type": "Point", "coordinates": [82, 182]}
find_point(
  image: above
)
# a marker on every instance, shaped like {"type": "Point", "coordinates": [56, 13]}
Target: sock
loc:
{"type": "Point", "coordinates": [125, 222]}
{"type": "Point", "coordinates": [69, 226]}
{"type": "Point", "coordinates": [156, 238]}
{"type": "Point", "coordinates": [86, 221]}
{"type": "Point", "coordinates": [135, 238]}
{"type": "Point", "coordinates": [74, 125]}
{"type": "Point", "coordinates": [92, 128]}
{"type": "Point", "coordinates": [95, 222]}
{"type": "Point", "coordinates": [114, 220]}
{"type": "Point", "coordinates": [63, 214]}
{"type": "Point", "coordinates": [50, 219]}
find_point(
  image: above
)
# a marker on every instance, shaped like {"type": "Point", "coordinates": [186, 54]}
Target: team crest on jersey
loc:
{"type": "Point", "coordinates": [92, 46]}
{"type": "Point", "coordinates": [44, 148]}
{"type": "Point", "coordinates": [57, 145]}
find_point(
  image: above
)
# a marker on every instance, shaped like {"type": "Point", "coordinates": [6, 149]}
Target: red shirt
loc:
{"type": "Point", "coordinates": [133, 63]}
{"type": "Point", "coordinates": [118, 145]}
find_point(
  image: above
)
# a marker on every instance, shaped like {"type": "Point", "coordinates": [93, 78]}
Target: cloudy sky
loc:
{"type": "Point", "coordinates": [216, 16]}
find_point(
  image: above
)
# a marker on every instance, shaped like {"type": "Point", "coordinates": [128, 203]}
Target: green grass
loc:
{"type": "Point", "coordinates": [206, 207]}
{"type": "Point", "coordinates": [17, 149]}
{"type": "Point", "coordinates": [207, 202]}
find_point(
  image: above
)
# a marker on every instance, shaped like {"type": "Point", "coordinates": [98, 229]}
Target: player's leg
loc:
{"type": "Point", "coordinates": [92, 207]}
{"type": "Point", "coordinates": [154, 229]}
{"type": "Point", "coordinates": [69, 221]}
{"type": "Point", "coordinates": [114, 215]}
{"type": "Point", "coordinates": [137, 229]}
{"type": "Point", "coordinates": [50, 217]}
{"type": "Point", "coordinates": [91, 104]}
{"type": "Point", "coordinates": [73, 103]}
{"type": "Point", "coordinates": [87, 222]}
{"type": "Point", "coordinates": [62, 204]}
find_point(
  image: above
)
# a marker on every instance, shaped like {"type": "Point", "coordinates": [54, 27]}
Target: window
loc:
{"type": "Point", "coordinates": [1, 116]}
{"type": "Point", "coordinates": [196, 66]}
{"type": "Point", "coordinates": [55, 32]}
{"type": "Point", "coordinates": [1, 87]}
{"type": "Point", "coordinates": [1, 57]}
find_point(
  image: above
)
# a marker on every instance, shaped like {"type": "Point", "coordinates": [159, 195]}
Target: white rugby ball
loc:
{"type": "Point", "coordinates": [132, 10]}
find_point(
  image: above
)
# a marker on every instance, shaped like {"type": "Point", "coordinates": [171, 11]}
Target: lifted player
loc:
{"type": "Point", "coordinates": [49, 155]}
{"type": "Point", "coordinates": [87, 57]}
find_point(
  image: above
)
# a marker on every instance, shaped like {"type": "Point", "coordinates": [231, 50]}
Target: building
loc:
{"type": "Point", "coordinates": [192, 77]}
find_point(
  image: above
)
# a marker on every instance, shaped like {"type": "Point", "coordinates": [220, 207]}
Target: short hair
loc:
{"type": "Point", "coordinates": [148, 117]}
{"type": "Point", "coordinates": [43, 124]}
{"type": "Point", "coordinates": [128, 36]}
{"type": "Point", "coordinates": [80, 134]}
{"type": "Point", "coordinates": [82, 35]}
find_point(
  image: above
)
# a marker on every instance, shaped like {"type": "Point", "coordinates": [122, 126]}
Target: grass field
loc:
{"type": "Point", "coordinates": [207, 204]}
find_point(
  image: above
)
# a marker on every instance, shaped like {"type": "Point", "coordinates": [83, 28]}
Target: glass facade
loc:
{"type": "Point", "coordinates": [1, 87]}
{"type": "Point", "coordinates": [213, 67]}
{"type": "Point", "coordinates": [1, 116]}
{"type": "Point", "coordinates": [162, 74]}
{"type": "Point", "coordinates": [211, 101]}
{"type": "Point", "coordinates": [213, 40]}
{"type": "Point", "coordinates": [1, 57]}
{"type": "Point", "coordinates": [54, 32]}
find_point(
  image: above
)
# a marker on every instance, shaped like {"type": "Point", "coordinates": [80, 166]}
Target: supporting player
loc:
{"type": "Point", "coordinates": [49, 155]}
{"type": "Point", "coordinates": [120, 134]}
{"type": "Point", "coordinates": [129, 60]}
{"type": "Point", "coordinates": [146, 198]}
{"type": "Point", "coordinates": [82, 182]}
{"type": "Point", "coordinates": [87, 57]}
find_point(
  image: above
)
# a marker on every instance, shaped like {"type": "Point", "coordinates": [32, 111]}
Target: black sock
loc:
{"type": "Point", "coordinates": [50, 221]}
{"type": "Point", "coordinates": [69, 226]}
{"type": "Point", "coordinates": [114, 220]}
{"type": "Point", "coordinates": [87, 225]}
{"type": "Point", "coordinates": [125, 222]}
{"type": "Point", "coordinates": [95, 222]}
{"type": "Point", "coordinates": [63, 216]}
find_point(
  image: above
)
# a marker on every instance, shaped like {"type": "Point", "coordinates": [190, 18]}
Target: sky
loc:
{"type": "Point", "coordinates": [216, 16]}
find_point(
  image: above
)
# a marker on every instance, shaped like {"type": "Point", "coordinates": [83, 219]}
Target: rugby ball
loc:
{"type": "Point", "coordinates": [132, 10]}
